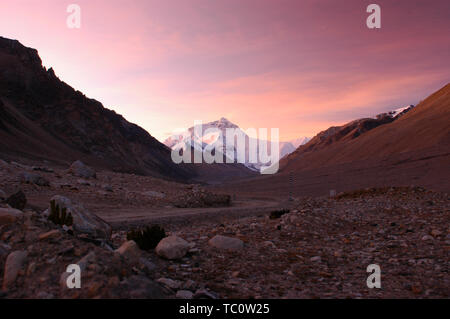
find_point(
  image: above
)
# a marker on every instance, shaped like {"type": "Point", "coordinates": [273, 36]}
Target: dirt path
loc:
{"type": "Point", "coordinates": [127, 217]}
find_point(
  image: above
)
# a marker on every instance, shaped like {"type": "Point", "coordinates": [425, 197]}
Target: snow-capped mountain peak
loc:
{"type": "Point", "coordinates": [400, 111]}
{"type": "Point", "coordinates": [215, 132]}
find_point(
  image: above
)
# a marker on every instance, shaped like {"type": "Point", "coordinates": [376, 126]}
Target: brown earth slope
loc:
{"type": "Point", "coordinates": [413, 150]}
{"type": "Point", "coordinates": [44, 118]}
{"type": "Point", "coordinates": [425, 126]}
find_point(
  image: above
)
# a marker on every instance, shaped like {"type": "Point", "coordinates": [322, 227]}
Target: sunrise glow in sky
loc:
{"type": "Point", "coordinates": [300, 65]}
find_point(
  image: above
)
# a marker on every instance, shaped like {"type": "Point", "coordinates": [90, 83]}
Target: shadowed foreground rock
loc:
{"type": "Point", "coordinates": [9, 215]}
{"type": "Point", "coordinates": [17, 200]}
{"type": "Point", "coordinates": [84, 222]}
{"type": "Point", "coordinates": [14, 264]}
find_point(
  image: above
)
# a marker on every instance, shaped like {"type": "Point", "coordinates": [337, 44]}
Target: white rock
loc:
{"type": "Point", "coordinates": [172, 247]}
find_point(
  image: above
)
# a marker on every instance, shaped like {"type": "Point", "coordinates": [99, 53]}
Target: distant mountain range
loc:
{"type": "Point", "coordinates": [44, 119]}
{"type": "Point", "coordinates": [351, 130]}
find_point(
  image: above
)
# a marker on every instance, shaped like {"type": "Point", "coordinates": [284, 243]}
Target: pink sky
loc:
{"type": "Point", "coordinates": [301, 66]}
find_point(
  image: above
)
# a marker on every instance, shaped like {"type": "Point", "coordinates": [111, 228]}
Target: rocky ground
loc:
{"type": "Point", "coordinates": [321, 249]}
{"type": "Point", "coordinates": [317, 248]}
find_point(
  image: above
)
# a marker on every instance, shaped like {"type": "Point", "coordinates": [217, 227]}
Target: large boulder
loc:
{"type": "Point", "coordinates": [84, 222]}
{"type": "Point", "coordinates": [226, 243]}
{"type": "Point", "coordinates": [17, 200]}
{"type": "Point", "coordinates": [9, 215]}
{"type": "Point", "coordinates": [172, 247]}
{"type": "Point", "coordinates": [14, 263]}
{"type": "Point", "coordinates": [78, 168]}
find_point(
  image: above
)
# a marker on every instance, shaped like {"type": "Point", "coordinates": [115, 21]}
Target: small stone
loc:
{"type": "Point", "coordinates": [315, 259]}
{"type": "Point", "coordinates": [9, 215]}
{"type": "Point", "coordinates": [4, 249]}
{"type": "Point", "coordinates": [189, 285]}
{"type": "Point", "coordinates": [436, 233]}
{"type": "Point", "coordinates": [31, 268]}
{"type": "Point", "coordinates": [226, 243]}
{"type": "Point", "coordinates": [172, 284]}
{"type": "Point", "coordinates": [129, 250]}
{"type": "Point", "coordinates": [53, 234]}
{"type": "Point", "coordinates": [94, 289]}
{"type": "Point", "coordinates": [147, 264]}
{"type": "Point", "coordinates": [194, 250]}
{"type": "Point", "coordinates": [36, 179]}
{"type": "Point", "coordinates": [140, 287]}
{"type": "Point", "coordinates": [79, 169]}
{"type": "Point", "coordinates": [2, 195]}
{"type": "Point", "coordinates": [204, 294]}
{"type": "Point", "coordinates": [113, 281]}
{"type": "Point", "coordinates": [184, 294]}
{"type": "Point", "coordinates": [427, 237]}
{"type": "Point", "coordinates": [17, 200]}
{"type": "Point", "coordinates": [83, 182]}
{"type": "Point", "coordinates": [172, 247]}
{"type": "Point", "coordinates": [13, 265]}
{"type": "Point", "coordinates": [268, 243]}
{"type": "Point", "coordinates": [44, 295]}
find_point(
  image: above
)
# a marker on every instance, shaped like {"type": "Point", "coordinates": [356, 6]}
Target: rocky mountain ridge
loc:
{"type": "Point", "coordinates": [44, 118]}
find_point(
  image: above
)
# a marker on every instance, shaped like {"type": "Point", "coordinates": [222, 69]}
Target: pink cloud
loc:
{"type": "Point", "coordinates": [297, 65]}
